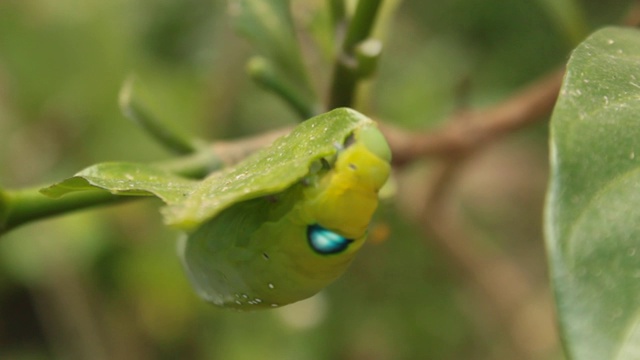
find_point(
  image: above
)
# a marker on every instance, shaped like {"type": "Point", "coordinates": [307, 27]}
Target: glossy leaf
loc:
{"type": "Point", "coordinates": [593, 205]}
{"type": "Point", "coordinates": [122, 178]}
{"type": "Point", "coordinates": [193, 202]}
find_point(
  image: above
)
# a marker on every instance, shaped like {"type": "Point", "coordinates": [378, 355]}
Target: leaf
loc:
{"type": "Point", "coordinates": [268, 171]}
{"type": "Point", "coordinates": [593, 205]}
{"type": "Point", "coordinates": [193, 202]}
{"type": "Point", "coordinates": [123, 178]}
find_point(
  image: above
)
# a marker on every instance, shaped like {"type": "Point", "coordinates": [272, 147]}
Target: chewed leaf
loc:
{"type": "Point", "coordinates": [122, 178]}
{"type": "Point", "coordinates": [268, 171]}
{"type": "Point", "coordinates": [592, 213]}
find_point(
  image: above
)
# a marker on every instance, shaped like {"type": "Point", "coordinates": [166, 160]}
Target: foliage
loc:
{"type": "Point", "coordinates": [591, 213]}
{"type": "Point", "coordinates": [107, 283]}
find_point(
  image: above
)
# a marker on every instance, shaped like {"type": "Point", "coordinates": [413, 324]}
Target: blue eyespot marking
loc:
{"type": "Point", "coordinates": [325, 241]}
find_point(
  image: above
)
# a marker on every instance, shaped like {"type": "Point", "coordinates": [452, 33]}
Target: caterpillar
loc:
{"type": "Point", "coordinates": [279, 248]}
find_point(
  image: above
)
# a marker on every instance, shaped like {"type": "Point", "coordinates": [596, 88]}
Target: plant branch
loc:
{"type": "Point", "coordinates": [134, 109]}
{"type": "Point", "coordinates": [361, 24]}
{"type": "Point", "coordinates": [25, 205]}
{"type": "Point", "coordinates": [467, 131]}
{"type": "Point", "coordinates": [463, 133]}
{"type": "Point", "coordinates": [346, 74]}
{"type": "Point", "coordinates": [263, 72]}
{"type": "Point", "coordinates": [21, 206]}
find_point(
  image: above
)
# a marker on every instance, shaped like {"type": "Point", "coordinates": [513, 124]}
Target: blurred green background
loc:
{"type": "Point", "coordinates": [106, 283]}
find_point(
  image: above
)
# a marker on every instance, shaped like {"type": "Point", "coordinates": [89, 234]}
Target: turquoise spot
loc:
{"type": "Point", "coordinates": [325, 241]}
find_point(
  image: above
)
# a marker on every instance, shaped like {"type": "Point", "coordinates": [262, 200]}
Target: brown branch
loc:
{"type": "Point", "coordinates": [632, 18]}
{"type": "Point", "coordinates": [232, 152]}
{"type": "Point", "coordinates": [462, 133]}
{"type": "Point", "coordinates": [467, 131]}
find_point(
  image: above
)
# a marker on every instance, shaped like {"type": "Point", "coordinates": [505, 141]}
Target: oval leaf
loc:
{"type": "Point", "coordinates": [593, 205]}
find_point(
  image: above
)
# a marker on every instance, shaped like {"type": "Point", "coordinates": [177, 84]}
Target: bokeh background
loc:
{"type": "Point", "coordinates": [106, 283]}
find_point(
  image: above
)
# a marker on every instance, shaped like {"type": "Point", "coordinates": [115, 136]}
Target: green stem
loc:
{"type": "Point", "coordinates": [26, 205]}
{"type": "Point", "coordinates": [21, 206]}
{"type": "Point", "coordinates": [134, 109]}
{"type": "Point", "coordinates": [345, 76]}
{"type": "Point", "coordinates": [262, 72]}
{"type": "Point", "coordinates": [361, 24]}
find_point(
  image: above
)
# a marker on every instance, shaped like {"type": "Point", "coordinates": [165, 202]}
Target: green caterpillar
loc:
{"type": "Point", "coordinates": [287, 246]}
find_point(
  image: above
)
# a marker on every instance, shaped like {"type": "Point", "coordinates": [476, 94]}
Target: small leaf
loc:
{"type": "Point", "coordinates": [268, 171]}
{"type": "Point", "coordinates": [126, 179]}
{"type": "Point", "coordinates": [593, 206]}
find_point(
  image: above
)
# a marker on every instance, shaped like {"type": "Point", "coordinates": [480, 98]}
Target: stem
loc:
{"type": "Point", "coordinates": [133, 108]}
{"type": "Point", "coordinates": [29, 204]}
{"type": "Point", "coordinates": [262, 72]}
{"type": "Point", "coordinates": [346, 76]}
{"type": "Point", "coordinates": [21, 206]}
{"type": "Point", "coordinates": [465, 132]}
{"type": "Point", "coordinates": [361, 24]}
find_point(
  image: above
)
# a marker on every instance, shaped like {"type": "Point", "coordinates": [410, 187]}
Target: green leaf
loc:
{"type": "Point", "coordinates": [269, 171]}
{"type": "Point", "coordinates": [122, 178]}
{"type": "Point", "coordinates": [593, 206]}
{"type": "Point", "coordinates": [192, 202]}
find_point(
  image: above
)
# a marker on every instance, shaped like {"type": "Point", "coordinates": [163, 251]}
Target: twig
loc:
{"type": "Point", "coordinates": [346, 69]}
{"type": "Point", "coordinates": [469, 130]}
{"type": "Point", "coordinates": [632, 18]}
{"type": "Point", "coordinates": [134, 109]}
{"type": "Point", "coordinates": [465, 132]}
{"type": "Point", "coordinates": [262, 71]}
{"type": "Point", "coordinates": [28, 204]}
